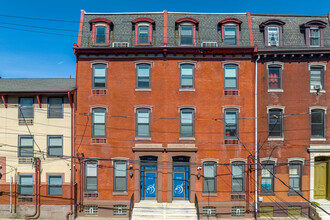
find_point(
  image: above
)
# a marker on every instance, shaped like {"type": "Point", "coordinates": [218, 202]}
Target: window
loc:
{"type": "Point", "coordinates": [294, 211]}
{"type": "Point", "coordinates": [119, 210]}
{"type": "Point", "coordinates": [209, 211]}
{"type": "Point", "coordinates": [267, 178]}
{"type": "Point", "coordinates": [25, 108]}
{"type": "Point", "coordinates": [266, 211]}
{"type": "Point", "coordinates": [143, 123]}
{"type": "Point", "coordinates": [231, 125]}
{"type": "Point", "coordinates": [230, 35]}
{"type": "Point", "coordinates": [187, 76]}
{"type": "Point", "coordinates": [55, 146]}
{"type": "Point", "coordinates": [275, 122]}
{"type": "Point", "coordinates": [91, 176]}
{"type": "Point", "coordinates": [274, 77]}
{"type": "Point", "coordinates": [187, 123]}
{"type": "Point", "coordinates": [186, 34]}
{"type": "Point", "coordinates": [99, 76]}
{"type": "Point", "coordinates": [143, 76]}
{"type": "Point", "coordinates": [99, 125]}
{"type": "Point", "coordinates": [91, 210]}
{"type": "Point", "coordinates": [314, 37]}
{"type": "Point", "coordinates": [100, 34]}
{"type": "Point", "coordinates": [100, 31]}
{"type": "Point", "coordinates": [231, 77]}
{"type": "Point", "coordinates": [238, 211]}
{"type": "Point", "coordinates": [55, 107]}
{"type": "Point", "coordinates": [25, 146]}
{"type": "Point", "coordinates": [273, 36]}
{"type": "Point", "coordinates": [317, 123]}
{"type": "Point", "coordinates": [210, 180]}
{"type": "Point", "coordinates": [295, 180]}
{"type": "Point", "coordinates": [316, 77]}
{"type": "Point", "coordinates": [25, 185]}
{"type": "Point", "coordinates": [237, 181]}
{"type": "Point", "coordinates": [120, 180]}
{"type": "Point", "coordinates": [55, 185]}
{"type": "Point", "coordinates": [143, 34]}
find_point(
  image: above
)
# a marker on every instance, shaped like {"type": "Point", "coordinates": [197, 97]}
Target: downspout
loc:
{"type": "Point", "coordinates": [71, 179]}
{"type": "Point", "coordinates": [15, 188]}
{"type": "Point", "coordinates": [37, 192]}
{"type": "Point", "coordinates": [36, 189]}
{"type": "Point", "coordinates": [256, 137]}
{"type": "Point", "coordinates": [11, 195]}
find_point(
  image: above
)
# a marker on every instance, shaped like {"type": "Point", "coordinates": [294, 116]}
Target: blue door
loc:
{"type": "Point", "coordinates": [148, 182]}
{"type": "Point", "coordinates": [181, 182]}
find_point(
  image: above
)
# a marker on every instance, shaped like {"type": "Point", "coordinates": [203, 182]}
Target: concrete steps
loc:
{"type": "Point", "coordinates": [164, 211]}
{"type": "Point", "coordinates": [325, 204]}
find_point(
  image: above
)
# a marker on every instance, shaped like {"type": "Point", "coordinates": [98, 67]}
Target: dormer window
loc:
{"type": "Point", "coordinates": [100, 31]}
{"type": "Point", "coordinates": [230, 31]}
{"type": "Point", "coordinates": [143, 28]}
{"type": "Point", "coordinates": [273, 30]}
{"type": "Point", "coordinates": [187, 31]}
{"type": "Point", "coordinates": [313, 32]}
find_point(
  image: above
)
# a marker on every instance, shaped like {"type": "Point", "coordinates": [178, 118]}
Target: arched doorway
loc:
{"type": "Point", "coordinates": [321, 178]}
{"type": "Point", "coordinates": [181, 182]}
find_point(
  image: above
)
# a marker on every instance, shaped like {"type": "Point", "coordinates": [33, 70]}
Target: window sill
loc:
{"type": "Point", "coordinates": [293, 193]}
{"type": "Point", "coordinates": [143, 90]}
{"type": "Point", "coordinates": [143, 44]}
{"type": "Point", "coordinates": [143, 138]}
{"type": "Point", "coordinates": [275, 90]}
{"type": "Point", "coordinates": [275, 139]}
{"type": "Point", "coordinates": [187, 90]}
{"type": "Point", "coordinates": [267, 194]}
{"type": "Point", "coordinates": [187, 139]}
{"type": "Point", "coordinates": [120, 193]}
{"type": "Point", "coordinates": [100, 45]}
{"type": "Point", "coordinates": [314, 91]}
{"type": "Point", "coordinates": [209, 194]}
{"type": "Point", "coordinates": [318, 139]}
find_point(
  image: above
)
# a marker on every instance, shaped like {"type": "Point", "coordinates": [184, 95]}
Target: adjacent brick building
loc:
{"type": "Point", "coordinates": [165, 106]}
{"type": "Point", "coordinates": [35, 154]}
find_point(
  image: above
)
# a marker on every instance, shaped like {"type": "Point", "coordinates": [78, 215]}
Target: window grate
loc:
{"type": "Point", "coordinates": [25, 199]}
{"type": "Point", "coordinates": [91, 210]}
{"type": "Point", "coordinates": [99, 140]}
{"type": "Point", "coordinates": [91, 195]}
{"type": "Point", "coordinates": [209, 211]}
{"type": "Point", "coordinates": [237, 211]}
{"type": "Point", "coordinates": [209, 44]}
{"type": "Point", "coordinates": [120, 44]}
{"type": "Point", "coordinates": [99, 91]}
{"type": "Point", "coordinates": [120, 210]}
{"type": "Point", "coordinates": [25, 121]}
{"type": "Point", "coordinates": [237, 197]}
{"type": "Point", "coordinates": [231, 92]}
{"type": "Point", "coordinates": [25, 160]}
{"type": "Point", "coordinates": [234, 141]}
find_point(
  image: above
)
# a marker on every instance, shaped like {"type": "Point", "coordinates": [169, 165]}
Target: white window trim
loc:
{"type": "Point", "coordinates": [210, 160]}
{"type": "Point", "coordinates": [317, 64]}
{"type": "Point", "coordinates": [301, 159]}
{"type": "Point", "coordinates": [231, 62]}
{"type": "Point", "coordinates": [191, 62]}
{"type": "Point", "coordinates": [120, 159]}
{"type": "Point", "coordinates": [187, 107]}
{"type": "Point", "coordinates": [325, 109]}
{"type": "Point", "coordinates": [100, 62]}
{"type": "Point", "coordinates": [91, 107]}
{"type": "Point", "coordinates": [264, 159]}
{"type": "Point", "coordinates": [144, 62]}
{"type": "Point", "coordinates": [238, 160]}
{"type": "Point", "coordinates": [275, 107]}
{"type": "Point", "coordinates": [136, 107]}
{"type": "Point", "coordinates": [238, 108]}
{"type": "Point", "coordinates": [275, 63]}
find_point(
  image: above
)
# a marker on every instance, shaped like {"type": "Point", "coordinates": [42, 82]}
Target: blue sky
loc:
{"type": "Point", "coordinates": [26, 54]}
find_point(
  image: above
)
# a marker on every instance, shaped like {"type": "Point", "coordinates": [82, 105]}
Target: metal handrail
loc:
{"type": "Point", "coordinates": [197, 206]}
{"type": "Point", "coordinates": [131, 207]}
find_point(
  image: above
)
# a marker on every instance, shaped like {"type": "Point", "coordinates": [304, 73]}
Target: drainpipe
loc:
{"type": "Point", "coordinates": [15, 190]}
{"type": "Point", "coordinates": [11, 195]}
{"type": "Point", "coordinates": [72, 172]}
{"type": "Point", "coordinates": [38, 198]}
{"type": "Point", "coordinates": [256, 138]}
{"type": "Point", "coordinates": [36, 189]}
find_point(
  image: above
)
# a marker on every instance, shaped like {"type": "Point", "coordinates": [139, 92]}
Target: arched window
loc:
{"type": "Point", "coordinates": [187, 122]}
{"type": "Point", "coordinates": [231, 77]}
{"type": "Point", "coordinates": [273, 29]}
{"type": "Point", "coordinates": [99, 75]}
{"type": "Point", "coordinates": [187, 31]}
{"type": "Point", "coordinates": [143, 28]}
{"type": "Point", "coordinates": [99, 123]}
{"type": "Point", "coordinates": [209, 177]}
{"type": "Point", "coordinates": [100, 31]}
{"type": "Point", "coordinates": [314, 32]}
{"type": "Point", "coordinates": [230, 31]}
{"type": "Point", "coordinates": [143, 122]}
{"type": "Point", "coordinates": [91, 176]}
{"type": "Point", "coordinates": [231, 123]}
{"type": "Point", "coordinates": [237, 180]}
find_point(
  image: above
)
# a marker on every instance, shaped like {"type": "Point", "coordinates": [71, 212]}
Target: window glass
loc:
{"type": "Point", "coordinates": [317, 123]}
{"type": "Point", "coordinates": [55, 185]}
{"type": "Point", "coordinates": [295, 175]}
{"type": "Point", "coordinates": [275, 123]}
{"type": "Point", "coordinates": [230, 77]}
{"type": "Point", "coordinates": [314, 37]}
{"type": "Point", "coordinates": [231, 130]}
{"type": "Point", "coordinates": [99, 119]}
{"type": "Point", "coordinates": [120, 176]}
{"type": "Point", "coordinates": [143, 35]}
{"type": "Point", "coordinates": [55, 145]}
{"type": "Point", "coordinates": [55, 107]}
{"type": "Point", "coordinates": [230, 35]}
{"type": "Point", "coordinates": [237, 184]}
{"type": "Point", "coordinates": [143, 123]}
{"type": "Point", "coordinates": [187, 76]}
{"type": "Point", "coordinates": [209, 180]}
{"type": "Point", "coordinates": [100, 34]}
{"type": "Point", "coordinates": [267, 179]}
{"type": "Point", "coordinates": [25, 185]}
{"type": "Point", "coordinates": [187, 123]}
{"type": "Point", "coordinates": [25, 108]}
{"type": "Point", "coordinates": [186, 35]}
{"type": "Point", "coordinates": [91, 176]}
{"type": "Point", "coordinates": [143, 76]}
{"type": "Point", "coordinates": [273, 36]}
{"type": "Point", "coordinates": [316, 78]}
{"type": "Point", "coordinates": [25, 146]}
{"type": "Point", "coordinates": [274, 77]}
{"type": "Point", "coordinates": [99, 76]}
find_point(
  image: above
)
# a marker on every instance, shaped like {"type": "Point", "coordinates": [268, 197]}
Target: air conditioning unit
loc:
{"type": "Point", "coordinates": [120, 44]}
{"type": "Point", "coordinates": [209, 44]}
{"type": "Point", "coordinates": [317, 87]}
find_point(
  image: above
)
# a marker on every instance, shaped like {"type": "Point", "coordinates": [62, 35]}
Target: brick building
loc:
{"type": "Point", "coordinates": [35, 154]}
{"type": "Point", "coordinates": [165, 106]}
{"type": "Point", "coordinates": [292, 108]}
